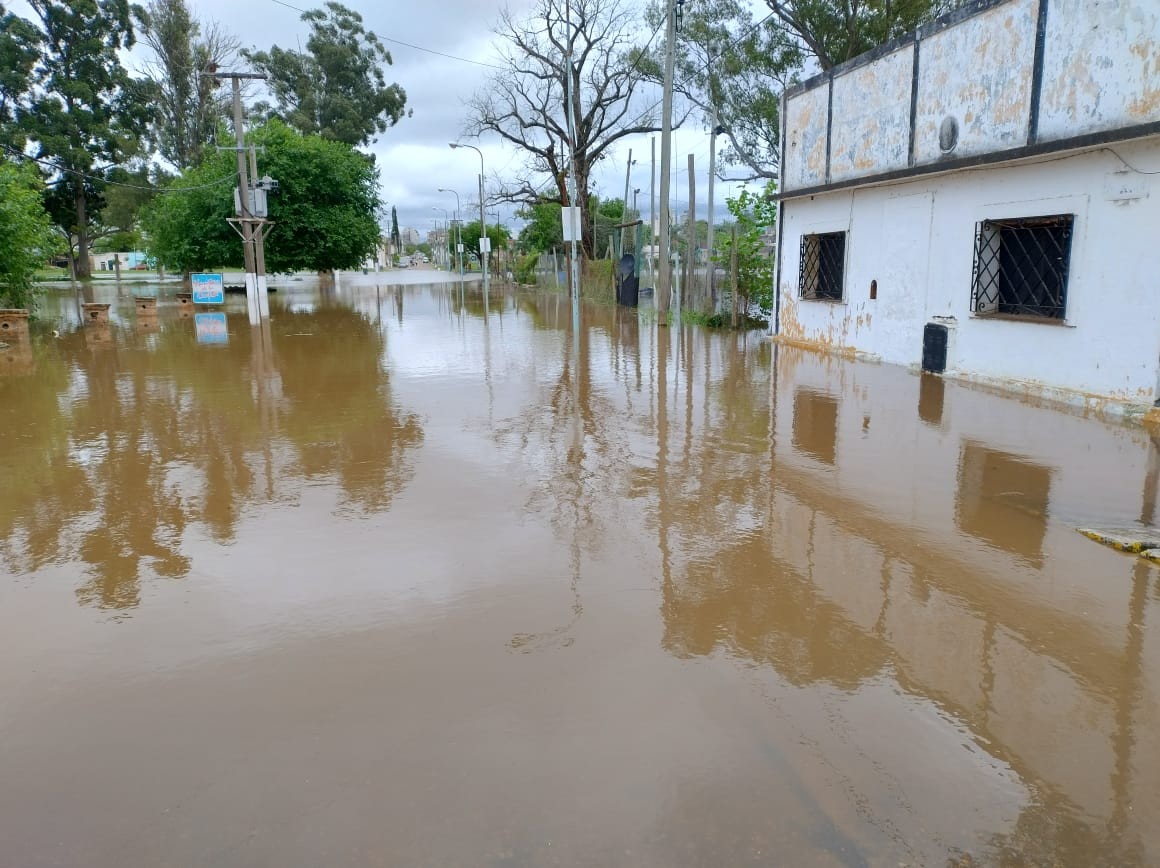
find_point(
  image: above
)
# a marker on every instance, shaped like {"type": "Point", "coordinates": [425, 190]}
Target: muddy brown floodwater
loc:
{"type": "Point", "coordinates": [415, 577]}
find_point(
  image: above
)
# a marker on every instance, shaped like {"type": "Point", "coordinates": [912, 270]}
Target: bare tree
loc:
{"type": "Point", "coordinates": [191, 106]}
{"type": "Point", "coordinates": [526, 103]}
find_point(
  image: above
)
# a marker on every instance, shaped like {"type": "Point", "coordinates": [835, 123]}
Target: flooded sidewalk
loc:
{"type": "Point", "coordinates": [419, 575]}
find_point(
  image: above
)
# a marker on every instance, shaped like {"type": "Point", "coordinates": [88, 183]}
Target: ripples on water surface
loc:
{"type": "Point", "coordinates": [415, 577]}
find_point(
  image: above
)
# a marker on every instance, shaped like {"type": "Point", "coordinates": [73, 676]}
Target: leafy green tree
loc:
{"type": "Point", "coordinates": [834, 31]}
{"type": "Point", "coordinates": [19, 51]}
{"type": "Point", "coordinates": [498, 234]}
{"type": "Point", "coordinates": [544, 229]}
{"type": "Point", "coordinates": [189, 105]}
{"type": "Point", "coordinates": [754, 215]}
{"type": "Point", "coordinates": [25, 233]}
{"type": "Point", "coordinates": [126, 193]}
{"type": "Point", "coordinates": [324, 210]}
{"type": "Point", "coordinates": [87, 112]}
{"type": "Point", "coordinates": [336, 87]}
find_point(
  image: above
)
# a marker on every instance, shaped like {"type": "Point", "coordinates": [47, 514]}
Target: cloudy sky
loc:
{"type": "Point", "coordinates": [414, 156]}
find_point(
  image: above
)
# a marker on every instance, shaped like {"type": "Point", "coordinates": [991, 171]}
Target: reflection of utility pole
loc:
{"type": "Point", "coordinates": [246, 222]}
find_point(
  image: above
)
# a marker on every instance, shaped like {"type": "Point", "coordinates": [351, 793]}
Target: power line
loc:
{"type": "Point", "coordinates": [408, 44]}
{"type": "Point", "coordinates": [47, 163]}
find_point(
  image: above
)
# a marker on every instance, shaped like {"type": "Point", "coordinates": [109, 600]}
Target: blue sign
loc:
{"type": "Point", "coordinates": [211, 328]}
{"type": "Point", "coordinates": [208, 288]}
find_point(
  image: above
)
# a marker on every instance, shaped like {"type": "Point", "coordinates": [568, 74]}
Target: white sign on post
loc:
{"type": "Point", "coordinates": [485, 245]}
{"type": "Point", "coordinates": [571, 218]}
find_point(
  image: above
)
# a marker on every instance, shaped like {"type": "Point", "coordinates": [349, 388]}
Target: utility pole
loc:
{"type": "Point", "coordinates": [247, 223]}
{"type": "Point", "coordinates": [570, 96]}
{"type": "Point", "coordinates": [624, 217]}
{"type": "Point", "coordinates": [261, 230]}
{"type": "Point", "coordinates": [484, 256]}
{"type": "Point", "coordinates": [709, 240]}
{"type": "Point", "coordinates": [652, 209]}
{"type": "Point", "coordinates": [249, 226]}
{"type": "Point", "coordinates": [733, 276]}
{"type": "Point", "coordinates": [691, 244]}
{"type": "Point", "coordinates": [664, 284]}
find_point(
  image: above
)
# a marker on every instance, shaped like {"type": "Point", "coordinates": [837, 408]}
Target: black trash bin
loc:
{"type": "Point", "coordinates": [627, 283]}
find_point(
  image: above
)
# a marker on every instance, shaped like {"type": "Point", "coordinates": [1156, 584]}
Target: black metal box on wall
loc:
{"type": "Point", "coordinates": [934, 348]}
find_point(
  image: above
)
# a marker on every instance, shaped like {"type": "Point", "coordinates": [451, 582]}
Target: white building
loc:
{"type": "Point", "coordinates": [982, 190]}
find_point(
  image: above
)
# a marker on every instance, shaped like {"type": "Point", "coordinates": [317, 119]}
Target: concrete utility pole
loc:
{"type": "Point", "coordinates": [652, 210]}
{"type": "Point", "coordinates": [664, 284]}
{"type": "Point", "coordinates": [570, 95]}
{"type": "Point", "coordinates": [261, 230]}
{"type": "Point", "coordinates": [691, 244]}
{"type": "Point", "coordinates": [712, 179]}
{"type": "Point", "coordinates": [249, 226]}
{"type": "Point", "coordinates": [624, 217]}
{"type": "Point", "coordinates": [458, 229]}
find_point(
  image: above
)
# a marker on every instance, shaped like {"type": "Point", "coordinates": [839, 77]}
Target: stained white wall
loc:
{"type": "Point", "coordinates": [978, 73]}
{"type": "Point", "coordinates": [916, 239]}
{"type": "Point", "coordinates": [1101, 66]}
{"type": "Point", "coordinates": [806, 142]}
{"type": "Point", "coordinates": [872, 104]}
{"type": "Point", "coordinates": [1101, 73]}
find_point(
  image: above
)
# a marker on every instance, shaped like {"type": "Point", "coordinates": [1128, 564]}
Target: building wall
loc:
{"type": "Point", "coordinates": [915, 238]}
{"type": "Point", "coordinates": [873, 105]}
{"type": "Point", "coordinates": [979, 74]}
{"type": "Point", "coordinates": [975, 72]}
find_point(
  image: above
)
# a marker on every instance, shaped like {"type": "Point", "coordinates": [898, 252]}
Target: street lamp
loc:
{"type": "Point", "coordinates": [458, 229]}
{"type": "Point", "coordinates": [482, 218]}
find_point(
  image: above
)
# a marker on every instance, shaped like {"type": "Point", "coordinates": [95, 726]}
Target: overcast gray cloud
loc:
{"type": "Point", "coordinates": [414, 157]}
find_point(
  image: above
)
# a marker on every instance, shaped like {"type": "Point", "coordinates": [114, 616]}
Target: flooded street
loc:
{"type": "Point", "coordinates": [417, 577]}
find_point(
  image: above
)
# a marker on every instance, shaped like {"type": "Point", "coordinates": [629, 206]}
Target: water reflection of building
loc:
{"type": "Point", "coordinates": [935, 549]}
{"type": "Point", "coordinates": [109, 458]}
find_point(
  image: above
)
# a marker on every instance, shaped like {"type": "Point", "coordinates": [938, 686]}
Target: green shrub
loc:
{"type": "Point", "coordinates": [526, 268]}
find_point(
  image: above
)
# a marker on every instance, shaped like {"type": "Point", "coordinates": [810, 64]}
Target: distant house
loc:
{"type": "Point", "coordinates": [977, 198]}
{"type": "Point", "coordinates": [129, 261]}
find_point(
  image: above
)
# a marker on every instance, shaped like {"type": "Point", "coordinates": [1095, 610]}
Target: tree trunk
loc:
{"type": "Point", "coordinates": [83, 267]}
{"type": "Point", "coordinates": [587, 235]}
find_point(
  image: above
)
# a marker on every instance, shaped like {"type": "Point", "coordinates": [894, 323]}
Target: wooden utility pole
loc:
{"type": "Point", "coordinates": [664, 284]}
{"type": "Point", "coordinates": [709, 240]}
{"type": "Point", "coordinates": [652, 212]}
{"type": "Point", "coordinates": [624, 216]}
{"type": "Point", "coordinates": [733, 274]}
{"type": "Point", "coordinates": [691, 245]}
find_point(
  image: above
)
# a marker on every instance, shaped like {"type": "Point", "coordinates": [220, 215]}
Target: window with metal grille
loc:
{"type": "Point", "coordinates": [823, 262]}
{"type": "Point", "coordinates": [1021, 267]}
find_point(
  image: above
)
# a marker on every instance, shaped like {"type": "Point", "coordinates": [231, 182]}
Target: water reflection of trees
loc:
{"type": "Point", "coordinates": [112, 451]}
{"type": "Point", "coordinates": [338, 409]}
{"type": "Point", "coordinates": [571, 439]}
